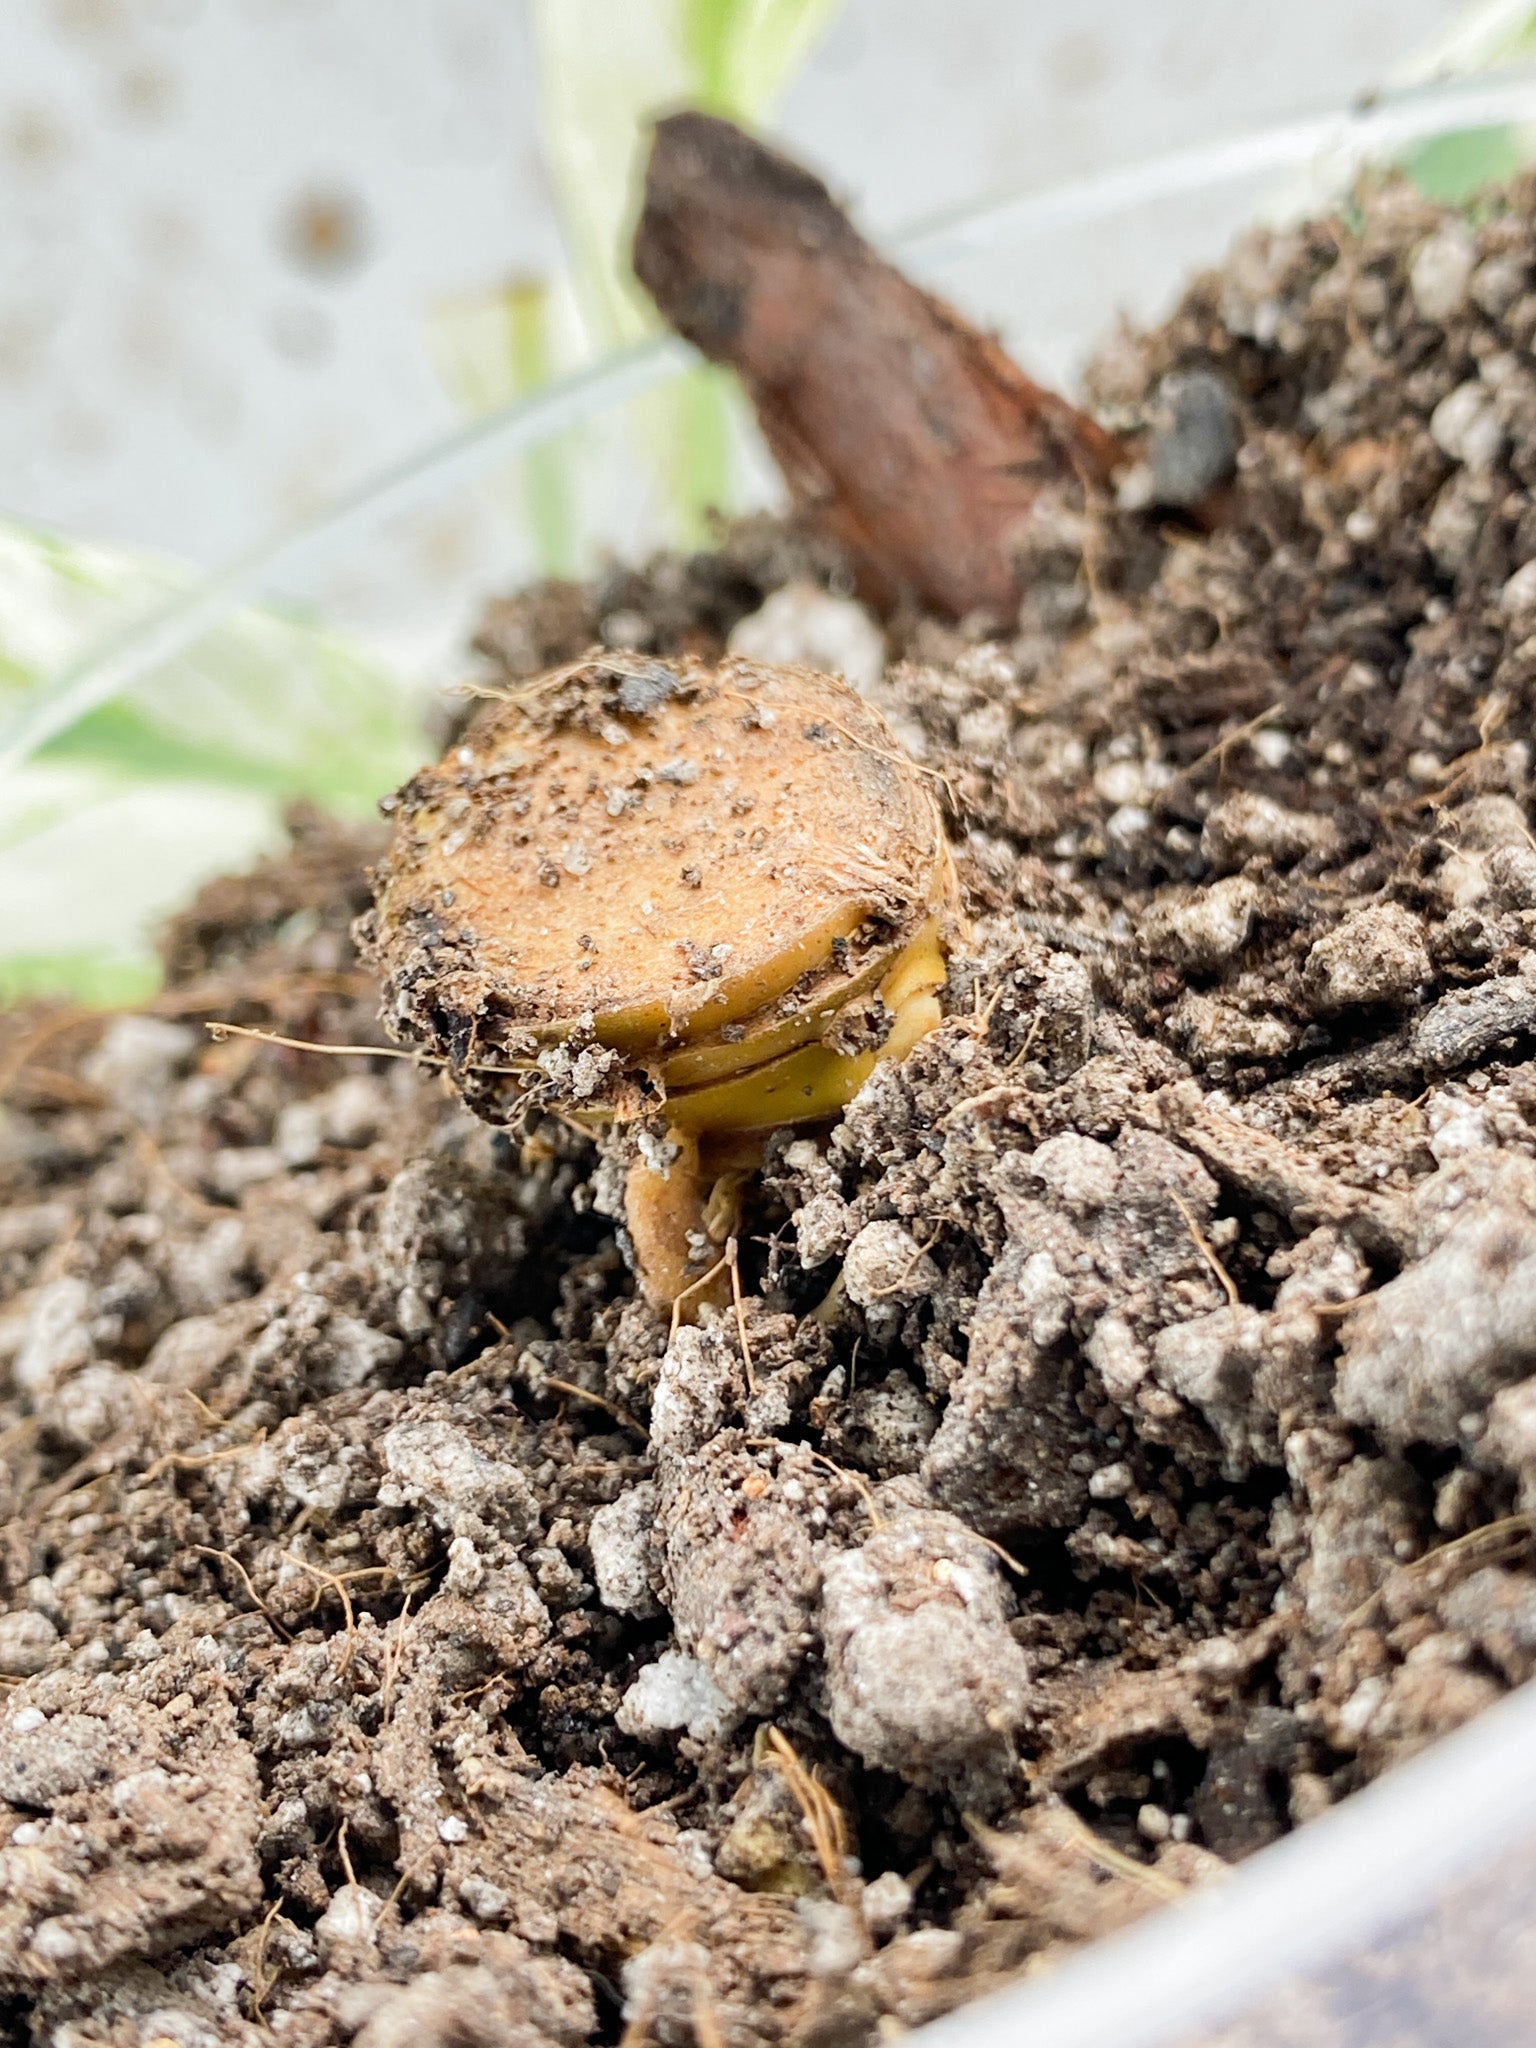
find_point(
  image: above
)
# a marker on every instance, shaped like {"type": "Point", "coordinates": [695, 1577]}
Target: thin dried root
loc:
{"type": "Point", "coordinates": [575, 1393]}
{"type": "Point", "coordinates": [823, 1816]}
{"type": "Point", "coordinates": [734, 1264]}
{"type": "Point", "coordinates": [229, 1557]}
{"type": "Point", "coordinates": [1205, 1248]}
{"type": "Point", "coordinates": [221, 1029]}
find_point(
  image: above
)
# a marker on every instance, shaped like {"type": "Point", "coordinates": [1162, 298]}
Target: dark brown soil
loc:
{"type": "Point", "coordinates": [405, 1642]}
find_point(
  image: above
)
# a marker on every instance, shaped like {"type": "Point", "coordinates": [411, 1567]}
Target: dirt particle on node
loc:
{"type": "Point", "coordinates": [1466, 426]}
{"type": "Point", "coordinates": [1424, 1355]}
{"type": "Point", "coordinates": [1440, 272]}
{"type": "Point", "coordinates": [1206, 929]}
{"type": "Point", "coordinates": [886, 1263]}
{"type": "Point", "coordinates": [923, 1677]}
{"type": "Point", "coordinates": [625, 1551]}
{"type": "Point", "coordinates": [806, 624]}
{"type": "Point", "coordinates": [1376, 955]}
{"type": "Point", "coordinates": [675, 1692]}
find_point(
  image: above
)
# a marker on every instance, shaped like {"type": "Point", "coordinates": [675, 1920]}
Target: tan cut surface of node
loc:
{"type": "Point", "coordinates": [667, 871]}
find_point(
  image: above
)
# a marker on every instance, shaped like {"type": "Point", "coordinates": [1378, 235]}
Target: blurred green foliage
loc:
{"type": "Point", "coordinates": [184, 775]}
{"type": "Point", "coordinates": [604, 73]}
{"type": "Point", "coordinates": [1455, 168]}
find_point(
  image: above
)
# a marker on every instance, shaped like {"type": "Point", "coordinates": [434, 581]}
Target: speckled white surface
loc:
{"type": "Point", "coordinates": [179, 366]}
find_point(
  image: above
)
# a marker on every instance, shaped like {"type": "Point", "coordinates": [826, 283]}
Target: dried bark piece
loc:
{"type": "Point", "coordinates": [903, 431]}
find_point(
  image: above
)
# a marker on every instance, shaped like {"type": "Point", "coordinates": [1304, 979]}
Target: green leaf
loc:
{"type": "Point", "coordinates": [1484, 35]}
{"type": "Point", "coordinates": [276, 702]}
{"type": "Point", "coordinates": [603, 70]}
{"type": "Point", "coordinates": [121, 815]}
{"type": "Point", "coordinates": [744, 52]}
{"type": "Point", "coordinates": [492, 348]}
{"type": "Point", "coordinates": [92, 860]}
{"type": "Point", "coordinates": [605, 73]}
{"type": "Point", "coordinates": [98, 980]}
{"type": "Point", "coordinates": [1454, 168]}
